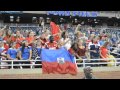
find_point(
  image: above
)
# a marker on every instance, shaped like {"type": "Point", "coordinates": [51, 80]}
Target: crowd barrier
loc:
{"type": "Point", "coordinates": [84, 63]}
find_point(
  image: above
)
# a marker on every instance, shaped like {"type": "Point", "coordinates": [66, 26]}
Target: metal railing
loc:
{"type": "Point", "coordinates": [84, 63]}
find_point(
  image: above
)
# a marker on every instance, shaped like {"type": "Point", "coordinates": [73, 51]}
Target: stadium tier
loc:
{"type": "Point", "coordinates": [58, 44]}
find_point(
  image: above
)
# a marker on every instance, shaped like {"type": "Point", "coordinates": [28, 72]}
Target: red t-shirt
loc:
{"type": "Point", "coordinates": [7, 38]}
{"type": "Point", "coordinates": [51, 45]}
{"type": "Point", "coordinates": [30, 39]}
{"type": "Point", "coordinates": [18, 42]}
{"type": "Point", "coordinates": [13, 39]}
{"type": "Point", "coordinates": [6, 46]}
{"type": "Point", "coordinates": [104, 52]}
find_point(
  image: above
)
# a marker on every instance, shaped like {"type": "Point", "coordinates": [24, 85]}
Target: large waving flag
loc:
{"type": "Point", "coordinates": [58, 61]}
{"type": "Point", "coordinates": [54, 30]}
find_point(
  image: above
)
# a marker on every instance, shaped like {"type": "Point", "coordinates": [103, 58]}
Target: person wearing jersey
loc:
{"type": "Point", "coordinates": [2, 49]}
{"type": "Point", "coordinates": [51, 44]}
{"type": "Point", "coordinates": [25, 53]}
{"type": "Point", "coordinates": [7, 36]}
{"type": "Point", "coordinates": [2, 55]}
{"type": "Point", "coordinates": [18, 38]}
{"type": "Point", "coordinates": [102, 41]}
{"type": "Point", "coordinates": [30, 38]}
{"type": "Point", "coordinates": [12, 53]}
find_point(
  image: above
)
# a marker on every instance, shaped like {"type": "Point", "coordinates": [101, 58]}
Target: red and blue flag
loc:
{"type": "Point", "coordinates": [58, 61]}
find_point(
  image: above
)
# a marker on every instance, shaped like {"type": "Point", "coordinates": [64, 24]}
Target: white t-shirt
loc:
{"type": "Point", "coordinates": [93, 44]}
{"type": "Point", "coordinates": [68, 44]}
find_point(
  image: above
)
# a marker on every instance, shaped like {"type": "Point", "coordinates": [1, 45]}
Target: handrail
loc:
{"type": "Point", "coordinates": [83, 63]}
{"type": "Point", "coordinates": [76, 59]}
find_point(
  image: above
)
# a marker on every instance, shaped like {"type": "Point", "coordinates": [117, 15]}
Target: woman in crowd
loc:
{"type": "Point", "coordinates": [79, 50]}
{"type": "Point", "coordinates": [12, 53]}
{"type": "Point", "coordinates": [2, 50]}
{"type": "Point", "coordinates": [78, 35]}
{"type": "Point", "coordinates": [43, 40]}
{"type": "Point", "coordinates": [94, 48]}
{"type": "Point", "coordinates": [66, 40]}
{"type": "Point", "coordinates": [47, 34]}
{"type": "Point", "coordinates": [102, 40]}
{"type": "Point", "coordinates": [7, 37]}
{"type": "Point", "coordinates": [3, 55]}
{"type": "Point", "coordinates": [30, 38]}
{"type": "Point", "coordinates": [39, 47]}
{"type": "Point", "coordinates": [18, 38]}
{"type": "Point", "coordinates": [104, 54]}
{"type": "Point", "coordinates": [25, 53]}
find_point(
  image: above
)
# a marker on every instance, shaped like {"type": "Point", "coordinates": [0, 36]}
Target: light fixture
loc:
{"type": "Point", "coordinates": [11, 18]}
{"type": "Point", "coordinates": [34, 19]}
{"type": "Point", "coordinates": [18, 19]}
{"type": "Point", "coordinates": [61, 18]}
{"type": "Point", "coordinates": [48, 18]}
{"type": "Point", "coordinates": [75, 19]}
{"type": "Point", "coordinates": [94, 19]}
{"type": "Point", "coordinates": [96, 22]}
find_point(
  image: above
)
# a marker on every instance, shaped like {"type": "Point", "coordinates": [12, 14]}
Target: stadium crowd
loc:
{"type": "Point", "coordinates": [27, 45]}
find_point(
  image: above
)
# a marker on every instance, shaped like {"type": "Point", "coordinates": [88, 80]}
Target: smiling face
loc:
{"type": "Point", "coordinates": [43, 36]}
{"type": "Point", "coordinates": [31, 33]}
{"type": "Point", "coordinates": [13, 45]}
{"type": "Point", "coordinates": [103, 38]}
{"type": "Point", "coordinates": [26, 43]}
{"type": "Point", "coordinates": [94, 40]}
{"type": "Point", "coordinates": [80, 43]}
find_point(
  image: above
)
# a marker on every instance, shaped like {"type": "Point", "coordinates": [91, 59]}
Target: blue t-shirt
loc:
{"type": "Point", "coordinates": [101, 42]}
{"type": "Point", "coordinates": [12, 52]}
{"type": "Point", "coordinates": [26, 53]}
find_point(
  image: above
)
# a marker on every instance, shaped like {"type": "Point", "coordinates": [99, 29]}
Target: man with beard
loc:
{"type": "Point", "coordinates": [88, 73]}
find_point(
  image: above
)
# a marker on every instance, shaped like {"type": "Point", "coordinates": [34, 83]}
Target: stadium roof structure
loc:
{"type": "Point", "coordinates": [99, 13]}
